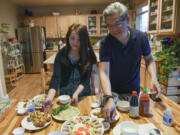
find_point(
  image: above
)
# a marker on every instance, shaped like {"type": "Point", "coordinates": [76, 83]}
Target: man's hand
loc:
{"type": "Point", "coordinates": [155, 86]}
{"type": "Point", "coordinates": [109, 111]}
{"type": "Point", "coordinates": [47, 105]}
{"type": "Point", "coordinates": [74, 99]}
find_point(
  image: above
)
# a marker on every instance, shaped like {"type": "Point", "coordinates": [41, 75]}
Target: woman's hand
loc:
{"type": "Point", "coordinates": [47, 105]}
{"type": "Point", "coordinates": [74, 99]}
{"type": "Point", "coordinates": [109, 111]}
{"type": "Point", "coordinates": [48, 102]}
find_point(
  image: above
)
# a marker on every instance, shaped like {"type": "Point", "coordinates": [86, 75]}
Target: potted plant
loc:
{"type": "Point", "coordinates": [168, 59]}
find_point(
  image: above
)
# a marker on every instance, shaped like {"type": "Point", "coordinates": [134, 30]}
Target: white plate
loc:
{"type": "Point", "coordinates": [102, 119]}
{"type": "Point", "coordinates": [76, 124]}
{"type": "Point", "coordinates": [29, 124]}
{"type": "Point", "coordinates": [39, 96]}
{"type": "Point", "coordinates": [55, 133]}
{"type": "Point", "coordinates": [64, 113]}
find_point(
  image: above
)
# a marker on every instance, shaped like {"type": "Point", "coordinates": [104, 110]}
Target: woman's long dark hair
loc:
{"type": "Point", "coordinates": [87, 56]}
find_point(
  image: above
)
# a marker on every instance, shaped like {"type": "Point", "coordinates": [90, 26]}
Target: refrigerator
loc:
{"type": "Point", "coordinates": [33, 42]}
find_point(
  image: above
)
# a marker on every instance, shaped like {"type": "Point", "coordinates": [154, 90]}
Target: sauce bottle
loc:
{"type": "Point", "coordinates": [168, 117]}
{"type": "Point", "coordinates": [134, 107]}
{"type": "Point", "coordinates": [144, 103]}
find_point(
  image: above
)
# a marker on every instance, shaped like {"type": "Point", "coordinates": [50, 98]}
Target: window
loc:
{"type": "Point", "coordinates": [142, 18]}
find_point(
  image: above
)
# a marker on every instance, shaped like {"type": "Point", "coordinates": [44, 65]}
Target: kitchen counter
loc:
{"type": "Point", "coordinates": [51, 59]}
{"type": "Point", "coordinates": [10, 120]}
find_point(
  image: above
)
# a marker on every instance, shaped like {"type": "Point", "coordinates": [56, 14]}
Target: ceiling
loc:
{"type": "Point", "coordinates": [61, 2]}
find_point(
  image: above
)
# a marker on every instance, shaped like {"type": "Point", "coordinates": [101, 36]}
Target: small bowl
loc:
{"type": "Point", "coordinates": [129, 128]}
{"type": "Point", "coordinates": [123, 106]}
{"type": "Point", "coordinates": [64, 99]}
{"type": "Point", "coordinates": [106, 126]}
{"type": "Point", "coordinates": [18, 131]}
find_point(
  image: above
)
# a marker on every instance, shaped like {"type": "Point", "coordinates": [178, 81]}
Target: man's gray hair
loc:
{"type": "Point", "coordinates": [115, 7]}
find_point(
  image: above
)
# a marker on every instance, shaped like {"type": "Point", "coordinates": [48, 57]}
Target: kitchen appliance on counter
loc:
{"type": "Point", "coordinates": [33, 40]}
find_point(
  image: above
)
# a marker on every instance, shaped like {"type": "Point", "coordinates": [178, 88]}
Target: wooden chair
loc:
{"type": "Point", "coordinates": [45, 80]}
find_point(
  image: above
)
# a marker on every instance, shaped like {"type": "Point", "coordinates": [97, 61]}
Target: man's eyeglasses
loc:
{"type": "Point", "coordinates": [117, 24]}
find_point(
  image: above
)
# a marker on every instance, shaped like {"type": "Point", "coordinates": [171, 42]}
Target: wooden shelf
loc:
{"type": "Point", "coordinates": [166, 11]}
{"type": "Point", "coordinates": [15, 55]}
{"type": "Point", "coordinates": [154, 14]}
{"type": "Point", "coordinates": [154, 6]}
{"type": "Point", "coordinates": [16, 66]}
{"type": "Point", "coordinates": [167, 21]}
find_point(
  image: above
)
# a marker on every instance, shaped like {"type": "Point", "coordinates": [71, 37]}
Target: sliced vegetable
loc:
{"type": "Point", "coordinates": [59, 109]}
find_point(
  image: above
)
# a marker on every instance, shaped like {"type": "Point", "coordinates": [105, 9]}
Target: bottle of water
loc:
{"type": "Point", "coordinates": [168, 117]}
{"type": "Point", "coordinates": [31, 107]}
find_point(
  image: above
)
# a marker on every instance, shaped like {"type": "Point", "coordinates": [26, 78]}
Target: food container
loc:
{"type": "Point", "coordinates": [18, 131]}
{"type": "Point", "coordinates": [129, 128]}
{"type": "Point", "coordinates": [64, 99]}
{"type": "Point", "coordinates": [21, 111]}
{"type": "Point", "coordinates": [123, 106]}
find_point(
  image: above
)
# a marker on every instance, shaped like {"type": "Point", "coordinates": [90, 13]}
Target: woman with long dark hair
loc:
{"type": "Point", "coordinates": [73, 66]}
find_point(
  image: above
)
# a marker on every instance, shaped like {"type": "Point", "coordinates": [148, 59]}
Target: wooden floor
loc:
{"type": "Point", "coordinates": [27, 87]}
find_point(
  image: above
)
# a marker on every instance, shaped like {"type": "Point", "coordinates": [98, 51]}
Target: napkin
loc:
{"type": "Point", "coordinates": [144, 129]}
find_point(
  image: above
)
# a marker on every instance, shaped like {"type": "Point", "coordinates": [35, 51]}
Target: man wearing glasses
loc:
{"type": "Point", "coordinates": [120, 56]}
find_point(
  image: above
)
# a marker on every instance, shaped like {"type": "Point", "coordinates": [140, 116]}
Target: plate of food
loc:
{"type": "Point", "coordinates": [83, 125]}
{"type": "Point", "coordinates": [65, 112]}
{"type": "Point", "coordinates": [36, 120]}
{"type": "Point", "coordinates": [97, 113]}
{"type": "Point", "coordinates": [38, 100]}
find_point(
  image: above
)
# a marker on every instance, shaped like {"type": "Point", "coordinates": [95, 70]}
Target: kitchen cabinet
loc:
{"type": "Point", "coordinates": [37, 20]}
{"type": "Point", "coordinates": [169, 16]}
{"type": "Point", "coordinates": [63, 23]}
{"type": "Point", "coordinates": [153, 16]}
{"type": "Point", "coordinates": [103, 27]}
{"type": "Point", "coordinates": [81, 19]}
{"type": "Point", "coordinates": [96, 26]}
{"type": "Point", "coordinates": [51, 27]}
{"type": "Point", "coordinates": [164, 15]}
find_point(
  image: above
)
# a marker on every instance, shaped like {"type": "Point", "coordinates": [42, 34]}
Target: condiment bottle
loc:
{"type": "Point", "coordinates": [168, 117]}
{"type": "Point", "coordinates": [134, 107]}
{"type": "Point", "coordinates": [144, 103]}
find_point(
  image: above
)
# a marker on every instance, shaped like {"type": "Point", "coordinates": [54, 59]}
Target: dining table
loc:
{"type": "Point", "coordinates": [10, 120]}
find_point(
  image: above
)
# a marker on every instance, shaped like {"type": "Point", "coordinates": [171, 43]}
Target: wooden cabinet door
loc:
{"type": "Point", "coordinates": [153, 22]}
{"type": "Point", "coordinates": [63, 23]}
{"type": "Point", "coordinates": [81, 19]}
{"type": "Point", "coordinates": [51, 27]}
{"type": "Point", "coordinates": [168, 18]}
{"type": "Point", "coordinates": [39, 21]}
